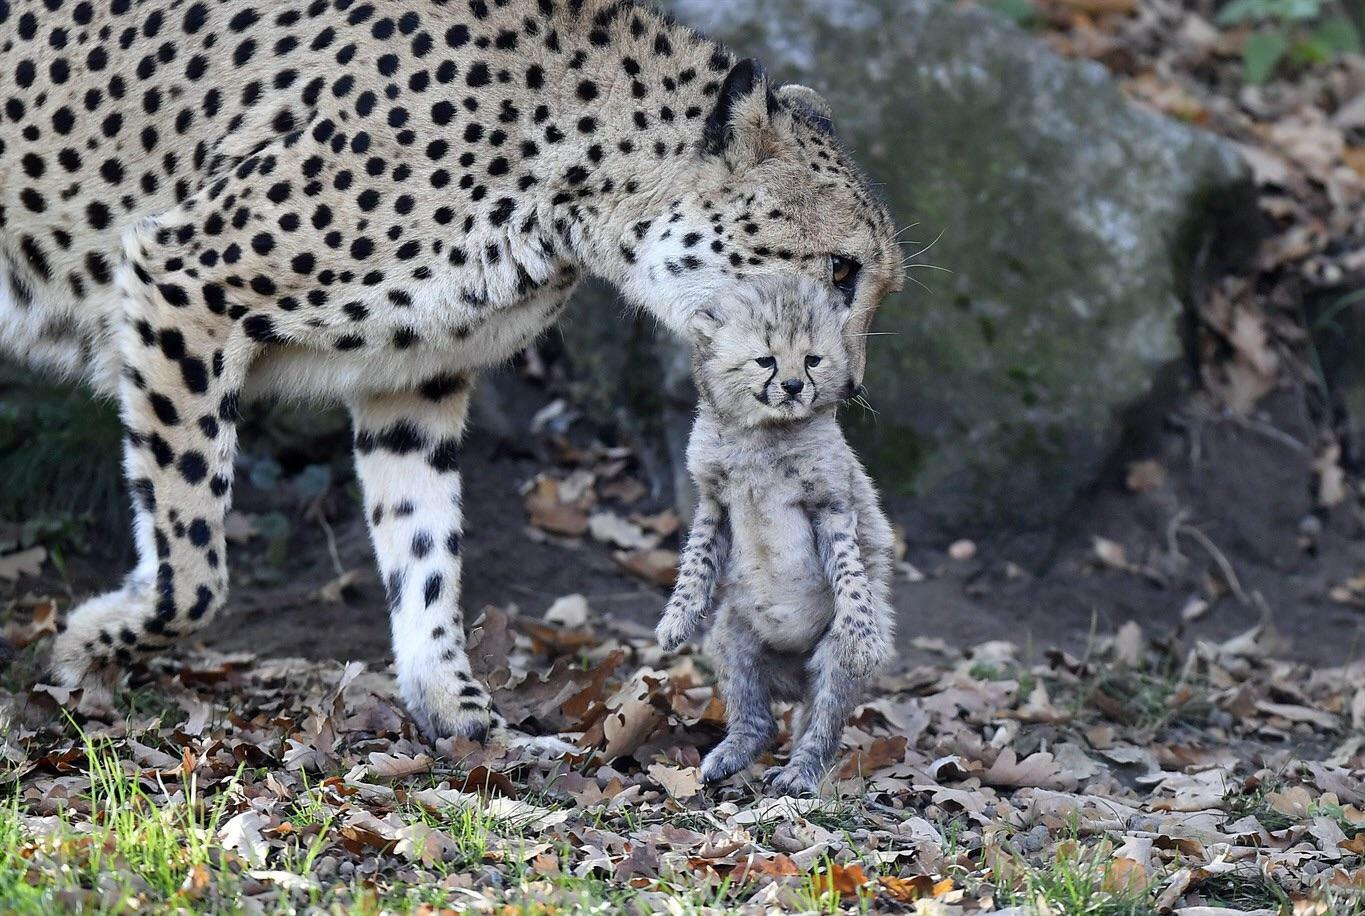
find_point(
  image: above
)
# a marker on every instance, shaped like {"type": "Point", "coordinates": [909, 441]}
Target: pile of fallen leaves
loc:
{"type": "Point", "coordinates": [1140, 779]}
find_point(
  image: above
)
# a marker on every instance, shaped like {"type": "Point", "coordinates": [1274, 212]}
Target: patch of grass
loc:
{"type": "Point", "coordinates": [1337, 813]}
{"type": "Point", "coordinates": [132, 854]}
{"type": "Point", "coordinates": [1078, 882]}
{"type": "Point", "coordinates": [60, 453]}
{"type": "Point", "coordinates": [985, 671]}
{"type": "Point", "coordinates": [1254, 803]}
{"type": "Point", "coordinates": [1250, 891]}
{"type": "Point", "coordinates": [1148, 700]}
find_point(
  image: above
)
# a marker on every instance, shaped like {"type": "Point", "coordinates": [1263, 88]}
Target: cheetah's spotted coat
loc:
{"type": "Point", "coordinates": [206, 200]}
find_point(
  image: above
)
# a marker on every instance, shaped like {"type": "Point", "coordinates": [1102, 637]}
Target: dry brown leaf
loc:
{"type": "Point", "coordinates": [679, 782]}
{"type": "Point", "coordinates": [1355, 158]}
{"type": "Point", "coordinates": [198, 882]}
{"type": "Point", "coordinates": [659, 567]}
{"type": "Point", "coordinates": [1129, 644]}
{"type": "Point", "coordinates": [919, 887]}
{"type": "Point", "coordinates": [396, 766]}
{"type": "Point", "coordinates": [1295, 713]}
{"type": "Point", "coordinates": [555, 511]}
{"type": "Point", "coordinates": [631, 717]}
{"type": "Point", "coordinates": [774, 866]}
{"type": "Point", "coordinates": [1126, 877]}
{"type": "Point", "coordinates": [1111, 554]}
{"type": "Point", "coordinates": [625, 490]}
{"type": "Point", "coordinates": [243, 833]}
{"type": "Point", "coordinates": [664, 523]}
{"type": "Point", "coordinates": [1040, 770]}
{"type": "Point", "coordinates": [335, 591]}
{"type": "Point", "coordinates": [42, 624]}
{"type": "Point", "coordinates": [613, 530]}
{"type": "Point", "coordinates": [883, 752]}
{"type": "Point", "coordinates": [1331, 476]}
{"type": "Point", "coordinates": [570, 611]}
{"type": "Point", "coordinates": [844, 880]}
{"type": "Point", "coordinates": [1294, 802]}
{"type": "Point", "coordinates": [24, 563]}
{"type": "Point", "coordinates": [1355, 845]}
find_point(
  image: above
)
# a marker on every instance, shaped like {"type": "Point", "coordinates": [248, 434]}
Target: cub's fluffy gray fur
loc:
{"type": "Point", "coordinates": [789, 551]}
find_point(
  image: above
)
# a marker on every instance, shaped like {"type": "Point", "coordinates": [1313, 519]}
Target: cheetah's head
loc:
{"type": "Point", "coordinates": [775, 353]}
{"type": "Point", "coordinates": [775, 194]}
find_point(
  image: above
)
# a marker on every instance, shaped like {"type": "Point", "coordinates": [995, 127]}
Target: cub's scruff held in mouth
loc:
{"type": "Point", "coordinates": [789, 551]}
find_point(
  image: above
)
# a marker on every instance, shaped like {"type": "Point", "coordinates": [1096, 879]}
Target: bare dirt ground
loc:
{"type": "Point", "coordinates": [1228, 502]}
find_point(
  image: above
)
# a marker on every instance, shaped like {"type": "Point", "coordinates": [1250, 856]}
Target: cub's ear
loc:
{"type": "Point", "coordinates": [742, 118]}
{"type": "Point", "coordinates": [702, 326]}
{"type": "Point", "coordinates": [809, 105]}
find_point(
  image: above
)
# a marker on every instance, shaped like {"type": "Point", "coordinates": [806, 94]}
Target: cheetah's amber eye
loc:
{"type": "Point", "coordinates": [813, 361]}
{"type": "Point", "coordinates": [767, 362]}
{"type": "Point", "coordinates": [844, 274]}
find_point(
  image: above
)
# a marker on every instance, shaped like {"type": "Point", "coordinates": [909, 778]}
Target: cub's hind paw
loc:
{"type": "Point", "coordinates": [726, 759]}
{"type": "Point", "coordinates": [793, 779]}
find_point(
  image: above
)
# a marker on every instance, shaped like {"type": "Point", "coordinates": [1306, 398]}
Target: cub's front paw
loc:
{"type": "Point", "coordinates": [676, 628]}
{"type": "Point", "coordinates": [865, 655]}
{"type": "Point", "coordinates": [794, 779]}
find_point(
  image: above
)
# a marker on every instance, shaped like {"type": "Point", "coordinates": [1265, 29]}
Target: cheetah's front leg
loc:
{"type": "Point", "coordinates": [407, 457]}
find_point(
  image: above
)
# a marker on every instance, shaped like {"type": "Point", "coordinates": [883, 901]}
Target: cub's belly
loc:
{"type": "Point", "coordinates": [777, 581]}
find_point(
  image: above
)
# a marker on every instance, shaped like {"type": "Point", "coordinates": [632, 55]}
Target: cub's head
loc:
{"type": "Point", "coordinates": [774, 353]}
{"type": "Point", "coordinates": [771, 193]}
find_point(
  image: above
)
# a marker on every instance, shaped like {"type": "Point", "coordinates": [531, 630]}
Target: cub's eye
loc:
{"type": "Point", "coordinates": [767, 362]}
{"type": "Point", "coordinates": [813, 361]}
{"type": "Point", "coordinates": [843, 273]}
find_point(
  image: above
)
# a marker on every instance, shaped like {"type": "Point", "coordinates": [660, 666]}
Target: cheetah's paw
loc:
{"type": "Point", "coordinates": [447, 710]}
{"type": "Point", "coordinates": [81, 654]}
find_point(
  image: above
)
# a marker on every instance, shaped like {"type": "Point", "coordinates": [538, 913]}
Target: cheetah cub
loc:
{"type": "Point", "coordinates": [789, 546]}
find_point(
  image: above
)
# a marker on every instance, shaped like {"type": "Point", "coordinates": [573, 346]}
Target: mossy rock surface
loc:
{"type": "Point", "coordinates": [1071, 221]}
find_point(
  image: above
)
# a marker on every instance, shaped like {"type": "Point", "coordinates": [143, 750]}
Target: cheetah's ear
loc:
{"type": "Point", "coordinates": [702, 326]}
{"type": "Point", "coordinates": [743, 113]}
{"type": "Point", "coordinates": [809, 105]}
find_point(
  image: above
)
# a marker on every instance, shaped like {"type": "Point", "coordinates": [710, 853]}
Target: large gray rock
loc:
{"type": "Point", "coordinates": [1071, 220]}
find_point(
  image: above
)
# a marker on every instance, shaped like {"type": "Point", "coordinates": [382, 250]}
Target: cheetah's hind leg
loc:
{"type": "Point", "coordinates": [178, 397]}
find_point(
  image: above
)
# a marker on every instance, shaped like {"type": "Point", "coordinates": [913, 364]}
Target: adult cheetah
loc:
{"type": "Point", "coordinates": [367, 201]}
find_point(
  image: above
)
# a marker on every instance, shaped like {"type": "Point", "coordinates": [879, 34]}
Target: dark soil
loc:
{"type": "Point", "coordinates": [1245, 484]}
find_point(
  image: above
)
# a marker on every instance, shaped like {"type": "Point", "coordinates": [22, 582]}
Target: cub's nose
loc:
{"type": "Point", "coordinates": [793, 386]}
